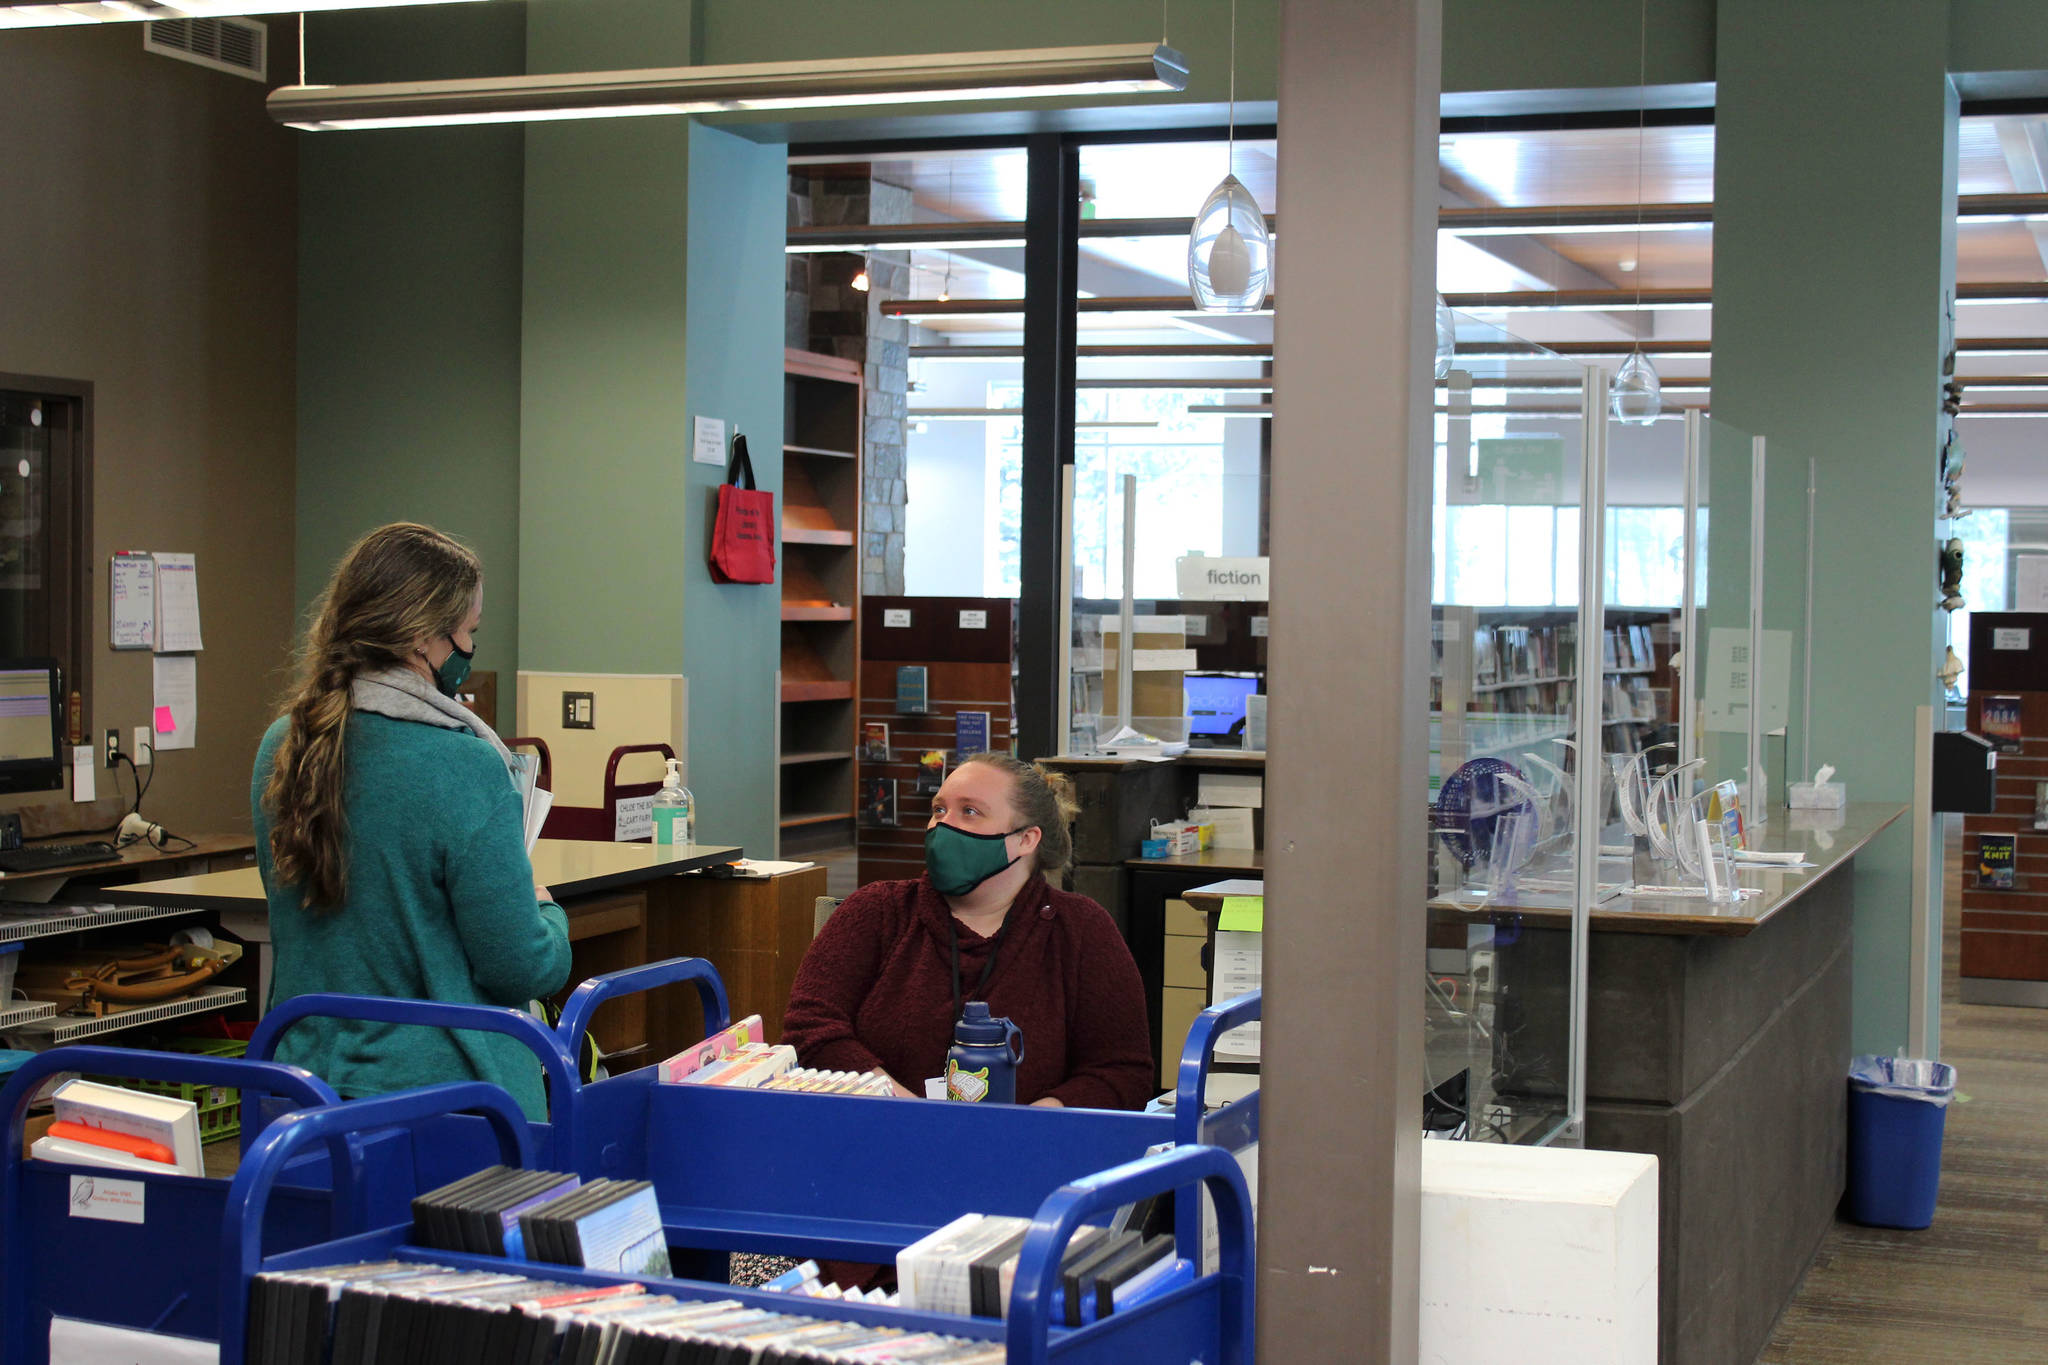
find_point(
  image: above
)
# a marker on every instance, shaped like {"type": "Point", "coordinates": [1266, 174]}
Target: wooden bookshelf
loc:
{"type": "Point", "coordinates": [820, 557]}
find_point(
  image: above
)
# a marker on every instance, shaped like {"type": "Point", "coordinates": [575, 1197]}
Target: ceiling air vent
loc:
{"type": "Point", "coordinates": [233, 45]}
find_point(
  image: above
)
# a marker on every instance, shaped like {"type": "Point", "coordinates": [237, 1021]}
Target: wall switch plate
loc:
{"type": "Point", "coordinates": [145, 746]}
{"type": "Point", "coordinates": [579, 711]}
{"type": "Point", "coordinates": [112, 752]}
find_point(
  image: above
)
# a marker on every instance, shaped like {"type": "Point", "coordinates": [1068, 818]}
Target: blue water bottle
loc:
{"type": "Point", "coordinates": [982, 1064]}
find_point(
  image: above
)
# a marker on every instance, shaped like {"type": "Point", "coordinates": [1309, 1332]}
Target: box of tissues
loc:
{"type": "Point", "coordinates": [1819, 794]}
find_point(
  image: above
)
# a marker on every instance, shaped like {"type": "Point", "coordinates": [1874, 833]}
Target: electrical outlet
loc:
{"type": "Point", "coordinates": [579, 711]}
{"type": "Point", "coordinates": [145, 746]}
{"type": "Point", "coordinates": [113, 749]}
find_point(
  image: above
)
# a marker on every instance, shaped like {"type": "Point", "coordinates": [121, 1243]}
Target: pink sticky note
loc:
{"type": "Point", "coordinates": [164, 724]}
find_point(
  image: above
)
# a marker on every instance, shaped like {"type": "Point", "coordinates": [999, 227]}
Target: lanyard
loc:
{"type": "Point", "coordinates": [995, 945]}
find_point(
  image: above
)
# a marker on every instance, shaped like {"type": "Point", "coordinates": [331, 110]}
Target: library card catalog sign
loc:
{"type": "Point", "coordinates": [1220, 578]}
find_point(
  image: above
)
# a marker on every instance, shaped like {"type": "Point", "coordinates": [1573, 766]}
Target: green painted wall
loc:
{"type": "Point", "coordinates": [1833, 350]}
{"type": "Point", "coordinates": [408, 353]}
{"type": "Point", "coordinates": [603, 437]}
{"type": "Point", "coordinates": [1998, 35]}
{"type": "Point", "coordinates": [732, 632]}
{"type": "Point", "coordinates": [1575, 44]}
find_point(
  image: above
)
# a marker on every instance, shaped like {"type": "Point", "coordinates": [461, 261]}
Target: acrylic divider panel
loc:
{"type": "Point", "coordinates": [1507, 665]}
{"type": "Point", "coordinates": [1720, 666]}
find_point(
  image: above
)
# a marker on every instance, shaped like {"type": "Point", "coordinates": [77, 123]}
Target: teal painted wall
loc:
{"type": "Point", "coordinates": [409, 279]}
{"type": "Point", "coordinates": [603, 437]}
{"type": "Point", "coordinates": [732, 632]}
{"type": "Point", "coordinates": [1833, 350]}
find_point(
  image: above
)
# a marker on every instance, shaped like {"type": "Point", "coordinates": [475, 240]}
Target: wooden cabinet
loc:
{"type": "Point", "coordinates": [820, 558]}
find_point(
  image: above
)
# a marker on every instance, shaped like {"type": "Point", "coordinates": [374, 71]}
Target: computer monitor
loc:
{"type": "Point", "coordinates": [1216, 703]}
{"type": "Point", "coordinates": [31, 717]}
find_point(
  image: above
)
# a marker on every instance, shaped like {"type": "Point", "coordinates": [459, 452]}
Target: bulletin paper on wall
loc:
{"type": "Point", "coordinates": [177, 604]}
{"type": "Point", "coordinates": [133, 584]}
{"type": "Point", "coordinates": [176, 719]}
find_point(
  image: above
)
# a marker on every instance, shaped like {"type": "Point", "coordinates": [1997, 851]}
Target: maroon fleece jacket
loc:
{"type": "Point", "coordinates": [876, 990]}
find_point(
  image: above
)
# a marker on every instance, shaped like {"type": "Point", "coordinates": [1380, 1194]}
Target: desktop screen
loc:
{"type": "Point", "coordinates": [1216, 702]}
{"type": "Point", "coordinates": [27, 730]}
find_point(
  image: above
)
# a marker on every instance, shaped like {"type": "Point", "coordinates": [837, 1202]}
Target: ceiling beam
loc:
{"type": "Point", "coordinates": [2026, 156]}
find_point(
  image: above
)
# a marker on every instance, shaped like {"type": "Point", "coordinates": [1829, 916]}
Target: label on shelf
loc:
{"type": "Point", "coordinates": [898, 618]}
{"type": "Point", "coordinates": [2011, 639]}
{"type": "Point", "coordinates": [973, 620]}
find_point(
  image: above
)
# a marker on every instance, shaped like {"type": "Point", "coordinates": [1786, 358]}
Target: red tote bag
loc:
{"type": "Point", "coordinates": [743, 536]}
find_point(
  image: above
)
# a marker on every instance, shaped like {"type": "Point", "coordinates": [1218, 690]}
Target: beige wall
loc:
{"type": "Point", "coordinates": [147, 245]}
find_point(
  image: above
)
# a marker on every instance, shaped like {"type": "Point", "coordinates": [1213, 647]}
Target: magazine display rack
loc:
{"type": "Point", "coordinates": [332, 1180]}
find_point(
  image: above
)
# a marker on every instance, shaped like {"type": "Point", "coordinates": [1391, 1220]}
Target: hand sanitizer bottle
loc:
{"type": "Point", "coordinates": [675, 810]}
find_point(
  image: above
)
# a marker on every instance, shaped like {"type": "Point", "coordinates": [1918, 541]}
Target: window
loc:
{"type": "Point", "coordinates": [44, 569]}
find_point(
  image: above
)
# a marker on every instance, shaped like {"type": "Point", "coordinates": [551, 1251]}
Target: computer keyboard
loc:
{"type": "Point", "coordinates": [42, 857]}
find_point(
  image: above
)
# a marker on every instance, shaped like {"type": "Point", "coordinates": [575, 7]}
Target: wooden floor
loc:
{"type": "Point", "coordinates": [1973, 1288]}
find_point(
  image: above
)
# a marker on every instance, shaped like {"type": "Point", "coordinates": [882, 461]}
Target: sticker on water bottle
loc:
{"type": "Point", "coordinates": [965, 1085]}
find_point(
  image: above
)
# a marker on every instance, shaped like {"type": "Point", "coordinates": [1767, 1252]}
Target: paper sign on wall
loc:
{"type": "Point", "coordinates": [707, 441]}
{"type": "Point", "coordinates": [1728, 679]}
{"type": "Point", "coordinates": [1522, 470]}
{"type": "Point", "coordinates": [133, 611]}
{"type": "Point", "coordinates": [633, 819]}
{"type": "Point", "coordinates": [177, 701]}
{"type": "Point", "coordinates": [974, 620]}
{"type": "Point", "coordinates": [2009, 638]}
{"type": "Point", "coordinates": [895, 618]}
{"type": "Point", "coordinates": [81, 772]}
{"type": "Point", "coordinates": [177, 604]}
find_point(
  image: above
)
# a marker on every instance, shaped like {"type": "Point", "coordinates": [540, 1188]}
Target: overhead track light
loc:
{"type": "Point", "coordinates": [51, 14]}
{"type": "Point", "coordinates": [1109, 69]}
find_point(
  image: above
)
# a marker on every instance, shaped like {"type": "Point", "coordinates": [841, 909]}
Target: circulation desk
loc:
{"type": "Point", "coordinates": [627, 904]}
{"type": "Point", "coordinates": [1717, 1040]}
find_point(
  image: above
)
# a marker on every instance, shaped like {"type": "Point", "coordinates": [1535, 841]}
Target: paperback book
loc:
{"type": "Point", "coordinates": [2001, 719]}
{"type": "Point", "coordinates": [1995, 861]}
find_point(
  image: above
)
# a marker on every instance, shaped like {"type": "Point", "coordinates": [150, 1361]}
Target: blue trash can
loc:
{"type": "Point", "coordinates": [1897, 1108]}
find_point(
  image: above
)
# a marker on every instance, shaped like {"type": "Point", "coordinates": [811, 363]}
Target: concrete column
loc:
{"type": "Point", "coordinates": [1834, 204]}
{"type": "Point", "coordinates": [1347, 780]}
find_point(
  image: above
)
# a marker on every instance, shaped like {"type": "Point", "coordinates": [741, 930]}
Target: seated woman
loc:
{"type": "Point", "coordinates": [888, 974]}
{"type": "Point", "coordinates": [391, 836]}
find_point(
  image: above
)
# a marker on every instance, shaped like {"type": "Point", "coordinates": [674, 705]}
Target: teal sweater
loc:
{"type": "Point", "coordinates": [440, 906]}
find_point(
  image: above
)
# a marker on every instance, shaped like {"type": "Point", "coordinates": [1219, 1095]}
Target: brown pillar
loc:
{"type": "Point", "coordinates": [1347, 781]}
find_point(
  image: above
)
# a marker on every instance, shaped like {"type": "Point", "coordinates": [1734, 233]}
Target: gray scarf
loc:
{"type": "Point", "coordinates": [402, 694]}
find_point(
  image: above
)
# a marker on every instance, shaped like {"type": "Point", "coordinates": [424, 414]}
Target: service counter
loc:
{"type": "Point", "coordinates": [627, 904]}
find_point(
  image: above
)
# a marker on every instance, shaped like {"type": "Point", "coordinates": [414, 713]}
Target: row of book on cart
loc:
{"type": "Point", "coordinates": [375, 1311]}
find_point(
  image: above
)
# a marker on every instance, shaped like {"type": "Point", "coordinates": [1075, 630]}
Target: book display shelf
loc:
{"type": "Point", "coordinates": [2005, 850]}
{"type": "Point", "coordinates": [820, 558]}
{"type": "Point", "coordinates": [325, 1183]}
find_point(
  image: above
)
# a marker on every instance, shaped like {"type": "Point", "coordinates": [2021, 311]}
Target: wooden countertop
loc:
{"type": "Point", "coordinates": [1827, 839]}
{"type": "Point", "coordinates": [1193, 758]}
{"type": "Point", "coordinates": [567, 867]}
{"type": "Point", "coordinates": [1223, 859]}
{"type": "Point", "coordinates": [135, 856]}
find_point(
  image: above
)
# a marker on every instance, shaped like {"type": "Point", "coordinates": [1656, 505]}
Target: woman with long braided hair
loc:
{"type": "Point", "coordinates": [390, 831]}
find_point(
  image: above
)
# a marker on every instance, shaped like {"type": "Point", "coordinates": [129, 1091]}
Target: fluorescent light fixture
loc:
{"type": "Point", "coordinates": [50, 14]}
{"type": "Point", "coordinates": [921, 78]}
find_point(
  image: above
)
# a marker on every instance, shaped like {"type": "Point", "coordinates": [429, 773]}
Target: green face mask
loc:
{"type": "Point", "coordinates": [959, 861]}
{"type": "Point", "coordinates": [454, 670]}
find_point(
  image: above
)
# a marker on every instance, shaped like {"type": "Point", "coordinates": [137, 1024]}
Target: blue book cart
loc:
{"type": "Point", "coordinates": [323, 1181]}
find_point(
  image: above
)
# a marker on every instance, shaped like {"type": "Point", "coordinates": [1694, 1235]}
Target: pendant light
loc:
{"type": "Point", "coordinates": [1230, 253]}
{"type": "Point", "coordinates": [832, 83]}
{"type": "Point", "coordinates": [1638, 394]}
{"type": "Point", "coordinates": [1446, 339]}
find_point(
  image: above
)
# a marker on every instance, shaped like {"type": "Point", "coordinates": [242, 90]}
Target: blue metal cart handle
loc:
{"type": "Point", "coordinates": [585, 999]}
{"type": "Point", "coordinates": [249, 1195]}
{"type": "Point", "coordinates": [275, 1078]}
{"type": "Point", "coordinates": [1196, 1055]}
{"type": "Point", "coordinates": [1067, 1207]}
{"type": "Point", "coordinates": [560, 1066]}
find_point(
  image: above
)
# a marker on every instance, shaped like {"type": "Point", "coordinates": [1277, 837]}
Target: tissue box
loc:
{"type": "Point", "coordinates": [1817, 796]}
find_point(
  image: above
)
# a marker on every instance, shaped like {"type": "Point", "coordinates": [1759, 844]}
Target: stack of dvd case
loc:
{"type": "Point", "coordinates": [396, 1313]}
{"type": "Point", "coordinates": [546, 1216]}
{"type": "Point", "coordinates": [970, 1266]}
